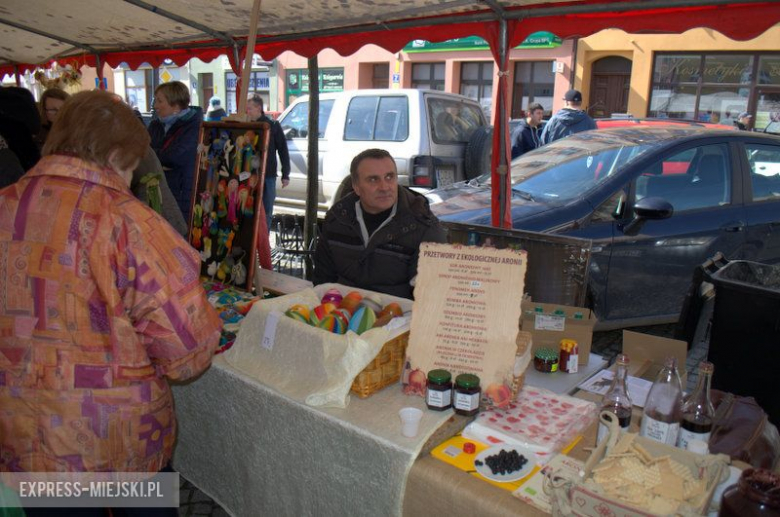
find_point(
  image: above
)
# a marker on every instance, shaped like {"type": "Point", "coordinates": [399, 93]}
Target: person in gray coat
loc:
{"type": "Point", "coordinates": [371, 237]}
{"type": "Point", "coordinates": [569, 120]}
{"type": "Point", "coordinates": [150, 186]}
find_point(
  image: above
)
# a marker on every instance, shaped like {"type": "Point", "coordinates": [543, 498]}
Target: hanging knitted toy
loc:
{"type": "Point", "coordinates": [232, 195]}
{"type": "Point", "coordinates": [221, 199]}
{"type": "Point", "coordinates": [248, 150]}
{"type": "Point", "coordinates": [243, 201]}
{"type": "Point", "coordinates": [205, 255]}
{"type": "Point", "coordinates": [214, 223]}
{"type": "Point", "coordinates": [237, 167]}
{"type": "Point", "coordinates": [196, 234]}
{"type": "Point", "coordinates": [153, 194]}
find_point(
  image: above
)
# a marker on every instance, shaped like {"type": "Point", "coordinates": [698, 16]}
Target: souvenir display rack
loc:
{"type": "Point", "coordinates": [227, 212]}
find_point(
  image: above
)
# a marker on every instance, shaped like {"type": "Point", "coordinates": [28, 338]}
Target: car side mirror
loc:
{"type": "Point", "coordinates": [649, 208]}
{"type": "Point", "coordinates": [290, 133]}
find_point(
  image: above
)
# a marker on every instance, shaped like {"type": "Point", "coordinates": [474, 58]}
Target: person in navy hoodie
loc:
{"type": "Point", "coordinates": [526, 136]}
{"type": "Point", "coordinates": [569, 120]}
{"type": "Point", "coordinates": [174, 133]}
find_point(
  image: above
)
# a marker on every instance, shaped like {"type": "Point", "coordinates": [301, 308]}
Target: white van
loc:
{"type": "Point", "coordinates": [425, 131]}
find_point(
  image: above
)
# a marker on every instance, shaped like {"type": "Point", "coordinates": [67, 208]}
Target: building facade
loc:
{"type": "Point", "coordinates": [698, 75]}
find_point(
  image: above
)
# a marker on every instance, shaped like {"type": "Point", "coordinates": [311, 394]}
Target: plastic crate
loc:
{"type": "Point", "coordinates": [745, 335]}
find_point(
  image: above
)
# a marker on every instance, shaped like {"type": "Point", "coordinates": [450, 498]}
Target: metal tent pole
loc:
{"type": "Point", "coordinates": [312, 168]}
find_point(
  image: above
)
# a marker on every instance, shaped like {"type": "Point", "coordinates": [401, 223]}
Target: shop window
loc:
{"type": "Point", "coordinates": [476, 82]}
{"type": "Point", "coordinates": [727, 69]}
{"type": "Point", "coordinates": [534, 82]}
{"type": "Point", "coordinates": [205, 89]}
{"type": "Point", "coordinates": [715, 87]}
{"type": "Point", "coordinates": [258, 83]}
{"type": "Point", "coordinates": [769, 70]}
{"type": "Point", "coordinates": [381, 76]}
{"type": "Point", "coordinates": [677, 69]}
{"type": "Point", "coordinates": [428, 76]}
{"type": "Point", "coordinates": [768, 112]}
{"type": "Point", "coordinates": [678, 101]}
{"type": "Point", "coordinates": [139, 90]}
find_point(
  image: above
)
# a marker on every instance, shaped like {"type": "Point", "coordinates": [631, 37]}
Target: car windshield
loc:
{"type": "Point", "coordinates": [566, 169]}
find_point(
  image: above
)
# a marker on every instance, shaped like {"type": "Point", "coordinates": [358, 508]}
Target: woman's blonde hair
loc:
{"type": "Point", "coordinates": [94, 126]}
{"type": "Point", "coordinates": [176, 93]}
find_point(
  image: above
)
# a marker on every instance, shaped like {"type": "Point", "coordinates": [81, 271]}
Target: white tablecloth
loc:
{"type": "Point", "coordinates": [257, 452]}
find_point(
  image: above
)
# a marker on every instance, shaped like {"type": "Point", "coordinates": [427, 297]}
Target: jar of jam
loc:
{"type": "Point", "coordinates": [546, 360]}
{"type": "Point", "coordinates": [467, 393]}
{"type": "Point", "coordinates": [756, 494]}
{"type": "Point", "coordinates": [438, 395]}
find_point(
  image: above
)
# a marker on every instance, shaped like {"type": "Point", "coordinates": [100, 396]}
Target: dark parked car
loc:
{"type": "Point", "coordinates": [656, 202]}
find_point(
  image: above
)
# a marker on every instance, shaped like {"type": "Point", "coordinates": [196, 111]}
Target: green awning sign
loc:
{"type": "Point", "coordinates": [535, 40]}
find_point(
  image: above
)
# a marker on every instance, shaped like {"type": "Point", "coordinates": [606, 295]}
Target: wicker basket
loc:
{"type": "Point", "coordinates": [384, 370]}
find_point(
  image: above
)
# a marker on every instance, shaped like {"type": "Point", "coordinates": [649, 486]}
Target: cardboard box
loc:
{"type": "Point", "coordinates": [549, 323]}
{"type": "Point", "coordinates": [647, 353]}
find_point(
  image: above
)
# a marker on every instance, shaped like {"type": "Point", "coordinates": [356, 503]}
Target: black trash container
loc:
{"type": "Point", "coordinates": [745, 335]}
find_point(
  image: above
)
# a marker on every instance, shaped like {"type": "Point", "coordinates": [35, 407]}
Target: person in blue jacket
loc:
{"type": "Point", "coordinates": [526, 136]}
{"type": "Point", "coordinates": [569, 120]}
{"type": "Point", "coordinates": [174, 135]}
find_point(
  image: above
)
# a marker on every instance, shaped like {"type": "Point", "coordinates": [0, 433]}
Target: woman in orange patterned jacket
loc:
{"type": "Point", "coordinates": [100, 304]}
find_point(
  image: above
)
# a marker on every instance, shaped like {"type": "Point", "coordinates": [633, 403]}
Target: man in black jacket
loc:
{"type": "Point", "coordinates": [525, 137]}
{"type": "Point", "coordinates": [371, 237]}
{"type": "Point", "coordinates": [277, 144]}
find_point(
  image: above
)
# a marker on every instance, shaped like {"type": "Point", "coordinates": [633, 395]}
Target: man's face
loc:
{"type": "Point", "coordinates": [536, 117]}
{"type": "Point", "coordinates": [377, 184]}
{"type": "Point", "coordinates": [253, 110]}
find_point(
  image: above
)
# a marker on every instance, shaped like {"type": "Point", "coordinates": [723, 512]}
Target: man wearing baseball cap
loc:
{"type": "Point", "coordinates": [569, 120]}
{"type": "Point", "coordinates": [743, 121]}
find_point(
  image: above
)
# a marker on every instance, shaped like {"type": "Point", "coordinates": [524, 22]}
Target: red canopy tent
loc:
{"type": "Point", "coordinates": [392, 25]}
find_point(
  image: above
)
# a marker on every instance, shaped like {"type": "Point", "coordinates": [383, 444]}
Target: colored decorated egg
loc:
{"type": "Point", "coordinates": [383, 319]}
{"type": "Point", "coordinates": [345, 314]}
{"type": "Point", "coordinates": [351, 301]}
{"type": "Point", "coordinates": [363, 319]}
{"type": "Point", "coordinates": [297, 316]}
{"type": "Point", "coordinates": [332, 323]}
{"type": "Point", "coordinates": [300, 309]}
{"type": "Point", "coordinates": [319, 313]}
{"type": "Point", "coordinates": [394, 309]}
{"type": "Point", "coordinates": [372, 301]}
{"type": "Point", "coordinates": [332, 296]}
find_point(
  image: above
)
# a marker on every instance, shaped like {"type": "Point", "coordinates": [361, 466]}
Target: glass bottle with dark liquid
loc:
{"type": "Point", "coordinates": [616, 400]}
{"type": "Point", "coordinates": [697, 411]}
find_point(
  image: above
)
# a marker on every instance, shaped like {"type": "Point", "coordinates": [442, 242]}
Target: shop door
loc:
{"type": "Point", "coordinates": [609, 85]}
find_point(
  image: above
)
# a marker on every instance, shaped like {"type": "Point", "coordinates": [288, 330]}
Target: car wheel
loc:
{"type": "Point", "coordinates": [478, 152]}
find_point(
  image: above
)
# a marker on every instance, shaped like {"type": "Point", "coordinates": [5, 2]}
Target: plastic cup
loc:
{"type": "Point", "coordinates": [410, 421]}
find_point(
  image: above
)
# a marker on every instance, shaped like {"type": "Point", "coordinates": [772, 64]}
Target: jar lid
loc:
{"type": "Point", "coordinates": [439, 376]}
{"type": "Point", "coordinates": [467, 380]}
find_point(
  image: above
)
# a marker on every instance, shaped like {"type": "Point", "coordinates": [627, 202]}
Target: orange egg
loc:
{"type": "Point", "coordinates": [394, 309]}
